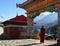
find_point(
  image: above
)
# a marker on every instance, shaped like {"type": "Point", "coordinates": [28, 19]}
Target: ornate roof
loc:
{"type": "Point", "coordinates": [33, 4]}
{"type": "Point", "coordinates": [20, 18]}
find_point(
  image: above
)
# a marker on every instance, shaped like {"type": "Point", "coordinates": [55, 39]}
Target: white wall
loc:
{"type": "Point", "coordinates": [1, 30]}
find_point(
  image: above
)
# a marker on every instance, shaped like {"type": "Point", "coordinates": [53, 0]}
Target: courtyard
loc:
{"type": "Point", "coordinates": [27, 42]}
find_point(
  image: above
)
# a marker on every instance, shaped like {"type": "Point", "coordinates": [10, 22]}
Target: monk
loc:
{"type": "Point", "coordinates": [42, 34]}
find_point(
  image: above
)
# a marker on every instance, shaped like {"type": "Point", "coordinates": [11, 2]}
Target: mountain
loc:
{"type": "Point", "coordinates": [47, 21]}
{"type": "Point", "coordinates": [46, 25]}
{"type": "Point", "coordinates": [51, 24]}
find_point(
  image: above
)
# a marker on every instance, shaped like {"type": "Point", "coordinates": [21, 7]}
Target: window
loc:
{"type": "Point", "coordinates": [23, 33]}
{"type": "Point", "coordinates": [23, 28]}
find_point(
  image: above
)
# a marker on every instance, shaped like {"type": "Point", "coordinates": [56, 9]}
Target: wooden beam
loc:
{"type": "Point", "coordinates": [48, 5]}
{"type": "Point", "coordinates": [43, 3]}
{"type": "Point", "coordinates": [32, 7]}
{"type": "Point", "coordinates": [23, 4]}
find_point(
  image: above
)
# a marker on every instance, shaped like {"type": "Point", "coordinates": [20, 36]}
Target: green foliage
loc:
{"type": "Point", "coordinates": [36, 31]}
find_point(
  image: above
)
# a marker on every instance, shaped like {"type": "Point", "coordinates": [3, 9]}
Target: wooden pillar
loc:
{"type": "Point", "coordinates": [58, 35]}
{"type": "Point", "coordinates": [30, 26]}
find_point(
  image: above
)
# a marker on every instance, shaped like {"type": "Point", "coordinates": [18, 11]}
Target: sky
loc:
{"type": "Point", "coordinates": [9, 10]}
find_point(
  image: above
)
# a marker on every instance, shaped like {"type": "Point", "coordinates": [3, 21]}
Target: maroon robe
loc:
{"type": "Point", "coordinates": [42, 35]}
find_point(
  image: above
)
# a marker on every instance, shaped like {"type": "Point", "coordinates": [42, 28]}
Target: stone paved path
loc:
{"type": "Point", "coordinates": [25, 42]}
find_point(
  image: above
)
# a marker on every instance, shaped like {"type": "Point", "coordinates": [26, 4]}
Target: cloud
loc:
{"type": "Point", "coordinates": [46, 13]}
{"type": "Point", "coordinates": [41, 16]}
{"type": "Point", "coordinates": [46, 19]}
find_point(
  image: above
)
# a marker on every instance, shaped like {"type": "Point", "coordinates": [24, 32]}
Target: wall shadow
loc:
{"type": "Point", "coordinates": [30, 44]}
{"type": "Point", "coordinates": [55, 44]}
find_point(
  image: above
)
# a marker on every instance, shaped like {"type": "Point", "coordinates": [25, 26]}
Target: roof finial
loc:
{"type": "Point", "coordinates": [17, 15]}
